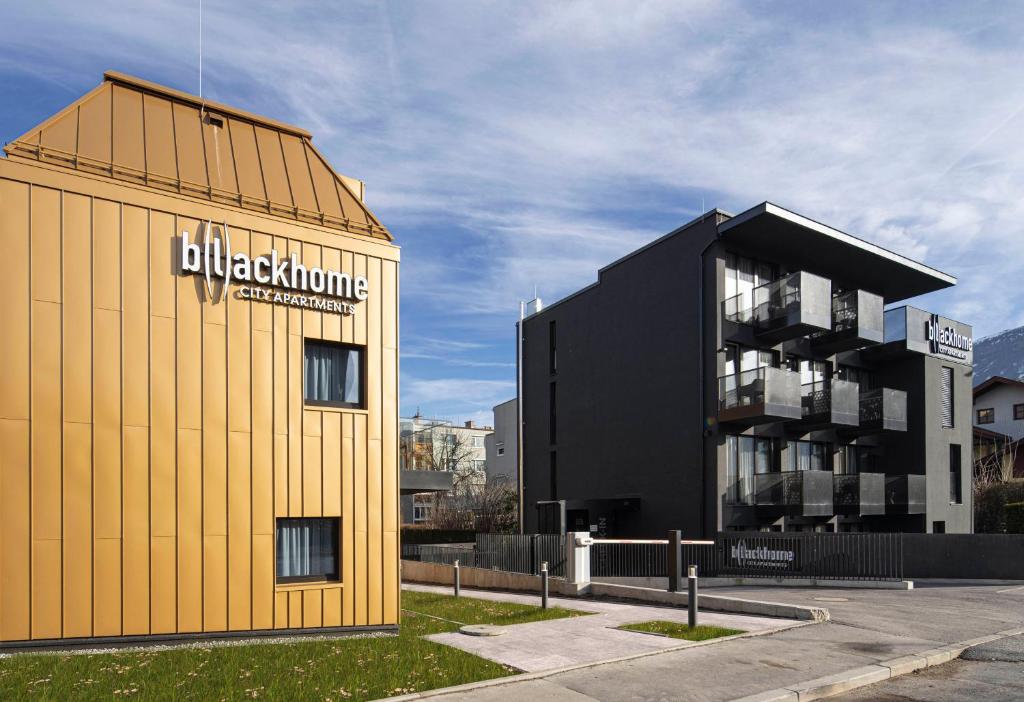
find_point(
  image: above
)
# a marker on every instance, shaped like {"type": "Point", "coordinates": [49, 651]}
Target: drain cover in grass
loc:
{"type": "Point", "coordinates": [481, 630]}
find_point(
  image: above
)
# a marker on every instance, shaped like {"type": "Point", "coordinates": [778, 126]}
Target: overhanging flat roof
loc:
{"type": "Point", "coordinates": [776, 234]}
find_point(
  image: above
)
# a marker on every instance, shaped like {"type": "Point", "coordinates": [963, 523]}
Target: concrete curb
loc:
{"type": "Point", "coordinates": [830, 685]}
{"type": "Point", "coordinates": [523, 677]}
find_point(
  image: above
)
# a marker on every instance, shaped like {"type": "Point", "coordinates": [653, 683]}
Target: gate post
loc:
{"type": "Point", "coordinates": [577, 557]}
{"type": "Point", "coordinates": [675, 560]}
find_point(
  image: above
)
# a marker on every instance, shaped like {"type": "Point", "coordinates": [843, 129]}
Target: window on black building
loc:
{"type": "Point", "coordinates": [553, 418]}
{"type": "Point", "coordinates": [946, 396]}
{"type": "Point", "coordinates": [955, 475]}
{"type": "Point", "coordinates": [552, 349]}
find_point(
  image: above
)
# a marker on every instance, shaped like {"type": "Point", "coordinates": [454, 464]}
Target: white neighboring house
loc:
{"type": "Point", "coordinates": [999, 406]}
{"type": "Point", "coordinates": [417, 435]}
{"type": "Point", "coordinates": [502, 446]}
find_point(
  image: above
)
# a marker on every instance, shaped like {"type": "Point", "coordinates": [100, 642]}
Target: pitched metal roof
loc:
{"type": "Point", "coordinates": [133, 130]}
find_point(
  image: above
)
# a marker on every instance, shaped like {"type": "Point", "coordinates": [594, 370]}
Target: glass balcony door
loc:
{"type": "Point", "coordinates": [746, 457]}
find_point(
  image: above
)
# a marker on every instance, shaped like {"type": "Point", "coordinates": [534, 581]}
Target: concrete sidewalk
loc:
{"type": "Point", "coordinates": [867, 628]}
{"type": "Point", "coordinates": [561, 643]}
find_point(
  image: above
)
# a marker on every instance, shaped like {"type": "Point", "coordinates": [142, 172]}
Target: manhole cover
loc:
{"type": "Point", "coordinates": [481, 630]}
{"type": "Point", "coordinates": [832, 599]}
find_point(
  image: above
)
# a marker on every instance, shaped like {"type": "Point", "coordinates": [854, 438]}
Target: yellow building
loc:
{"type": "Point", "coordinates": [198, 394]}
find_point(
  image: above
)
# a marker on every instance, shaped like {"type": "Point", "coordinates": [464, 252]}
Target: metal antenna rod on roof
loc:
{"type": "Point", "coordinates": [201, 100]}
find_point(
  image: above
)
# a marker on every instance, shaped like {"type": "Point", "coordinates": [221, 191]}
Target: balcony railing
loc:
{"type": "Point", "coordinates": [861, 494]}
{"type": "Point", "coordinates": [795, 305]}
{"type": "Point", "coordinates": [881, 410]}
{"type": "Point", "coordinates": [905, 494]}
{"type": "Point", "coordinates": [807, 493]}
{"type": "Point", "coordinates": [829, 402]}
{"type": "Point", "coordinates": [856, 322]}
{"type": "Point", "coordinates": [759, 395]}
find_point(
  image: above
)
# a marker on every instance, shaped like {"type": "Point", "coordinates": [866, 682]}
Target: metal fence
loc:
{"type": "Point", "coordinates": [629, 558]}
{"type": "Point", "coordinates": [515, 553]}
{"type": "Point", "coordinates": [733, 554]}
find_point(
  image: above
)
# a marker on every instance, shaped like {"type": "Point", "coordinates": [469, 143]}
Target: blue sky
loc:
{"type": "Point", "coordinates": [522, 144]}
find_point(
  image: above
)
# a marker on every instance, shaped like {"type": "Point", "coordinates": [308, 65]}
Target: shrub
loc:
{"type": "Point", "coordinates": [990, 505]}
{"type": "Point", "coordinates": [1015, 518]}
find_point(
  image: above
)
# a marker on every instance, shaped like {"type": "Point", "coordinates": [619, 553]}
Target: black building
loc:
{"type": "Point", "coordinates": [740, 373]}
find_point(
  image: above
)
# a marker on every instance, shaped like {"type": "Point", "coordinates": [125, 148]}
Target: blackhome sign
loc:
{"type": "Point", "coordinates": [947, 340]}
{"type": "Point", "coordinates": [761, 556]}
{"type": "Point", "coordinates": [269, 278]}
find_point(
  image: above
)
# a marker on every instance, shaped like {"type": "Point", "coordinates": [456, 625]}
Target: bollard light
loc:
{"type": "Point", "coordinates": [456, 577]}
{"type": "Point", "coordinates": [691, 600]}
{"type": "Point", "coordinates": [544, 585]}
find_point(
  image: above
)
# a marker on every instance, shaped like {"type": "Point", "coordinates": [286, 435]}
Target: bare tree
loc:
{"type": "Point", "coordinates": [443, 447]}
{"type": "Point", "coordinates": [996, 462]}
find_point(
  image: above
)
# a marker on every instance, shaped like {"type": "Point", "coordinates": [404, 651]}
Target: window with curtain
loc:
{"type": "Point", "coordinates": [307, 549]}
{"type": "Point", "coordinates": [807, 455]}
{"type": "Point", "coordinates": [334, 374]}
{"type": "Point", "coordinates": [746, 456]}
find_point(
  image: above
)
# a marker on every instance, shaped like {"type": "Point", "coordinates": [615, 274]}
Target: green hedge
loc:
{"type": "Point", "coordinates": [991, 503]}
{"type": "Point", "coordinates": [421, 535]}
{"type": "Point", "coordinates": [1015, 518]}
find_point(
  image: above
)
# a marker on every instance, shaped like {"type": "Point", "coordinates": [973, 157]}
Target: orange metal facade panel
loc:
{"type": "Point", "coordinates": [215, 431]}
{"type": "Point", "coordinates": [62, 134]}
{"type": "Point", "coordinates": [107, 423]}
{"type": "Point", "coordinates": [263, 581]}
{"type": "Point", "coordinates": [280, 610]}
{"type": "Point", "coordinates": [77, 375]}
{"type": "Point", "coordinates": [275, 175]}
{"type": "Point", "coordinates": [220, 163]}
{"type": "Point", "coordinates": [294, 425]}
{"type": "Point", "coordinates": [136, 531]}
{"type": "Point", "coordinates": [15, 530]}
{"type": "Point", "coordinates": [312, 608]}
{"type": "Point", "coordinates": [46, 599]}
{"type": "Point", "coordinates": [46, 246]}
{"type": "Point", "coordinates": [239, 532]}
{"type": "Point", "coordinates": [14, 291]}
{"type": "Point", "coordinates": [94, 129]}
{"type": "Point", "coordinates": [135, 255]}
{"type": "Point", "coordinates": [161, 158]}
{"type": "Point", "coordinates": [324, 184]}
{"type": "Point", "coordinates": [360, 516]}
{"type": "Point", "coordinates": [107, 590]}
{"type": "Point", "coordinates": [348, 564]}
{"type": "Point", "coordinates": [190, 345]}
{"type": "Point", "coordinates": [190, 532]}
{"type": "Point", "coordinates": [332, 606]}
{"type": "Point", "coordinates": [262, 313]}
{"type": "Point", "coordinates": [163, 435]}
{"type": "Point", "coordinates": [106, 254]}
{"type": "Point", "coordinates": [191, 155]}
{"type": "Point", "coordinates": [239, 349]}
{"type": "Point", "coordinates": [312, 472]}
{"type": "Point", "coordinates": [163, 595]}
{"type": "Point", "coordinates": [215, 582]}
{"type": "Point", "coordinates": [247, 160]}
{"type": "Point", "coordinates": [332, 464]}
{"type": "Point", "coordinates": [162, 251]}
{"type": "Point", "coordinates": [47, 425]}
{"type": "Point", "coordinates": [77, 534]}
{"type": "Point", "coordinates": [295, 609]}
{"type": "Point", "coordinates": [332, 322]}
{"type": "Point", "coordinates": [129, 143]}
{"type": "Point", "coordinates": [298, 173]}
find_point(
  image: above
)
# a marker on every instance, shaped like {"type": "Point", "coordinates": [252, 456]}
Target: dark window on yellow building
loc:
{"type": "Point", "coordinates": [307, 549]}
{"type": "Point", "coordinates": [333, 374]}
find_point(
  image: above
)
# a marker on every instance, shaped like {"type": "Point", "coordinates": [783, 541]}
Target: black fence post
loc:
{"type": "Point", "coordinates": [675, 560]}
{"type": "Point", "coordinates": [533, 553]}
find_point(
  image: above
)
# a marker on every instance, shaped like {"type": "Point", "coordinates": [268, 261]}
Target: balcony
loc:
{"type": "Point", "coordinates": [805, 493]}
{"type": "Point", "coordinates": [795, 305]}
{"type": "Point", "coordinates": [411, 482]}
{"type": "Point", "coordinates": [881, 410]}
{"type": "Point", "coordinates": [829, 403]}
{"type": "Point", "coordinates": [860, 494]}
{"type": "Point", "coordinates": [856, 323]}
{"type": "Point", "coordinates": [759, 396]}
{"type": "Point", "coordinates": [905, 494]}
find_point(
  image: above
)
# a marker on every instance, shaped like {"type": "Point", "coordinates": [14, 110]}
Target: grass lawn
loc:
{"type": "Point", "coordinates": [676, 630]}
{"type": "Point", "coordinates": [338, 669]}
